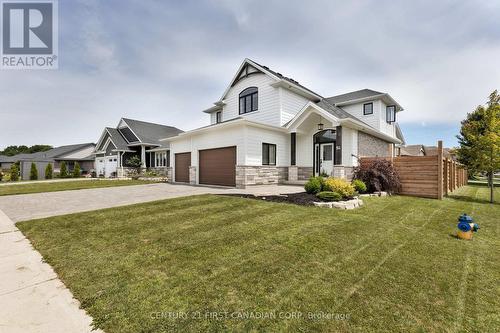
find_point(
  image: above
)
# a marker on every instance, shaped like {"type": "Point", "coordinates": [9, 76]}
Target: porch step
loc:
{"type": "Point", "coordinates": [295, 182]}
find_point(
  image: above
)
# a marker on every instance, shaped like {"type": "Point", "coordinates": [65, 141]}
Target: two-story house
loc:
{"type": "Point", "coordinates": [267, 129]}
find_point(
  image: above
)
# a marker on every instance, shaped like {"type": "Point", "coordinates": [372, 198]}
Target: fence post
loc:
{"type": "Point", "coordinates": [440, 170]}
{"type": "Point", "coordinates": [446, 178]}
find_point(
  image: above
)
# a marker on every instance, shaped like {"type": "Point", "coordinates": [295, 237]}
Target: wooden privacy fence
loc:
{"type": "Point", "coordinates": [427, 176]}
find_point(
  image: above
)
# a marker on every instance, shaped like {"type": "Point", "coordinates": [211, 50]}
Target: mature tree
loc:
{"type": "Point", "coordinates": [480, 139]}
{"type": "Point", "coordinates": [33, 172]}
{"type": "Point", "coordinates": [76, 170]}
{"type": "Point", "coordinates": [15, 150]}
{"type": "Point", "coordinates": [14, 172]}
{"type": "Point", "coordinates": [64, 170]}
{"type": "Point", "coordinates": [48, 171]}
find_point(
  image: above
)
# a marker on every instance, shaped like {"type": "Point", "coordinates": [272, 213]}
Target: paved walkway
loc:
{"type": "Point", "coordinates": [30, 206]}
{"type": "Point", "coordinates": [32, 298]}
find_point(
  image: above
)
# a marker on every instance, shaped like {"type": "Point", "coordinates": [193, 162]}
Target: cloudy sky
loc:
{"type": "Point", "coordinates": [165, 61]}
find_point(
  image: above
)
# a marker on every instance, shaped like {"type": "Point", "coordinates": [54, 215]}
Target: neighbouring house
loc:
{"type": "Point", "coordinates": [70, 154]}
{"type": "Point", "coordinates": [412, 150]}
{"type": "Point", "coordinates": [268, 129]}
{"type": "Point", "coordinates": [133, 138]}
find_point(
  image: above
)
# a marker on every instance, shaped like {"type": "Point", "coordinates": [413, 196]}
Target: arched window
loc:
{"type": "Point", "coordinates": [249, 100]}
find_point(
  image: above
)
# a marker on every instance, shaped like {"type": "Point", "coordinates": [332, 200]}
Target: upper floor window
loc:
{"type": "Point", "coordinates": [391, 113]}
{"type": "Point", "coordinates": [249, 100]}
{"type": "Point", "coordinates": [268, 154]}
{"type": "Point", "coordinates": [218, 117]}
{"type": "Point", "coordinates": [367, 108]}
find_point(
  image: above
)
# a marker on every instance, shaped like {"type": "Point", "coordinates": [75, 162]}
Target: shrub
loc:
{"type": "Point", "coordinates": [93, 174]}
{"type": "Point", "coordinates": [14, 173]}
{"type": "Point", "coordinates": [378, 176]}
{"type": "Point", "coordinates": [76, 170]}
{"type": "Point", "coordinates": [1, 175]}
{"type": "Point", "coordinates": [33, 172]}
{"type": "Point", "coordinates": [314, 185]}
{"type": "Point", "coordinates": [341, 186]}
{"type": "Point", "coordinates": [48, 171]}
{"type": "Point", "coordinates": [359, 185]}
{"type": "Point", "coordinates": [64, 170]}
{"type": "Point", "coordinates": [329, 196]}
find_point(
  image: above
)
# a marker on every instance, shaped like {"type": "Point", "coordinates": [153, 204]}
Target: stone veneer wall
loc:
{"type": "Point", "coordinates": [304, 173]}
{"type": "Point", "coordinates": [370, 146]}
{"type": "Point", "coordinates": [260, 175]}
{"type": "Point", "coordinates": [343, 172]}
{"type": "Point", "coordinates": [192, 175]}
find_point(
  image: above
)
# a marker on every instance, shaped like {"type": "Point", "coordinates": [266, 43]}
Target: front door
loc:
{"type": "Point", "coordinates": [326, 159]}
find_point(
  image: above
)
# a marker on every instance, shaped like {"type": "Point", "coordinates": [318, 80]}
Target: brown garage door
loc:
{"type": "Point", "coordinates": [218, 166]}
{"type": "Point", "coordinates": [182, 164]}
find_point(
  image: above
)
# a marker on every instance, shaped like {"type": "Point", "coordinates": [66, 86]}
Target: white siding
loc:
{"type": "Point", "coordinates": [257, 136]}
{"type": "Point", "coordinates": [269, 106]}
{"type": "Point", "coordinates": [385, 127]}
{"type": "Point", "coordinates": [291, 104]}
{"type": "Point", "coordinates": [357, 111]}
{"type": "Point", "coordinates": [349, 146]}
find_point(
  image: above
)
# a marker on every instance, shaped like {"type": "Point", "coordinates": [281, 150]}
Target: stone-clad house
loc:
{"type": "Point", "coordinates": [267, 128]}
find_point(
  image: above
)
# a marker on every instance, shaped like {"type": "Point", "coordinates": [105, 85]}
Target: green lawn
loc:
{"type": "Point", "coordinates": [393, 265]}
{"type": "Point", "coordinates": [64, 186]}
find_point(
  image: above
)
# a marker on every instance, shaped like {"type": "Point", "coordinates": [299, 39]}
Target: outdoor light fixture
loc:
{"type": "Point", "coordinates": [320, 125]}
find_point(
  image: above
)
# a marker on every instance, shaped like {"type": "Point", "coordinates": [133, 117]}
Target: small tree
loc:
{"type": "Point", "coordinates": [480, 140]}
{"type": "Point", "coordinates": [378, 176]}
{"type": "Point", "coordinates": [76, 170]}
{"type": "Point", "coordinates": [48, 171]}
{"type": "Point", "coordinates": [134, 162]}
{"type": "Point", "coordinates": [33, 172]}
{"type": "Point", "coordinates": [64, 170]}
{"type": "Point", "coordinates": [14, 173]}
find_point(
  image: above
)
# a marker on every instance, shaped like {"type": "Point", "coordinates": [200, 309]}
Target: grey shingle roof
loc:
{"type": "Point", "coordinates": [150, 132]}
{"type": "Point", "coordinates": [411, 150]}
{"type": "Point", "coordinates": [117, 139]}
{"type": "Point", "coordinates": [364, 93]}
{"type": "Point", "coordinates": [288, 79]}
{"type": "Point", "coordinates": [337, 112]}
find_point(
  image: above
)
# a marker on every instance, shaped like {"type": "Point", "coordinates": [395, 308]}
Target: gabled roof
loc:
{"type": "Point", "coordinates": [150, 133]}
{"type": "Point", "coordinates": [280, 79]}
{"type": "Point", "coordinates": [353, 95]}
{"type": "Point", "coordinates": [412, 150]}
{"type": "Point", "coordinates": [117, 139]}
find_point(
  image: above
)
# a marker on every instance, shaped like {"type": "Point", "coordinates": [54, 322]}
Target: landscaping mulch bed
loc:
{"type": "Point", "coordinates": [303, 198]}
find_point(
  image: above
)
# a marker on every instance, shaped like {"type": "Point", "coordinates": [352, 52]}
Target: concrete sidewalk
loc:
{"type": "Point", "coordinates": [32, 298]}
{"type": "Point", "coordinates": [38, 205]}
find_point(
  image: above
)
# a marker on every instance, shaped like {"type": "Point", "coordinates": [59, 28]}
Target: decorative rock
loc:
{"type": "Point", "coordinates": [350, 204]}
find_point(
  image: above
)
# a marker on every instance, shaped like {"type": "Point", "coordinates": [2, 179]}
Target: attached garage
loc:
{"type": "Point", "coordinates": [218, 166]}
{"type": "Point", "coordinates": [182, 164]}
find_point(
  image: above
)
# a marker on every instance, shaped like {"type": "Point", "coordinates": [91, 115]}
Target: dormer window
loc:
{"type": "Point", "coordinates": [218, 117]}
{"type": "Point", "coordinates": [249, 100]}
{"type": "Point", "coordinates": [391, 114]}
{"type": "Point", "coordinates": [367, 109]}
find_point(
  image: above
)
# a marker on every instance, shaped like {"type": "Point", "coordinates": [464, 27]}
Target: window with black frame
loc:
{"type": "Point", "coordinates": [268, 154]}
{"type": "Point", "coordinates": [367, 109]}
{"type": "Point", "coordinates": [391, 114]}
{"type": "Point", "coordinates": [249, 100]}
{"type": "Point", "coordinates": [218, 117]}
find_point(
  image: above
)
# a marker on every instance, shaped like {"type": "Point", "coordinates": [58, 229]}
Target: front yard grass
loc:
{"type": "Point", "coordinates": [206, 263]}
{"type": "Point", "coordinates": [64, 186]}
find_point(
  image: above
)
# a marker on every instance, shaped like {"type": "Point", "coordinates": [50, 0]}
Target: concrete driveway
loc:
{"type": "Point", "coordinates": [38, 205]}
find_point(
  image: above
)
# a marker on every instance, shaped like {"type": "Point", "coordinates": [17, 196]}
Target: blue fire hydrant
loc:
{"type": "Point", "coordinates": [466, 226]}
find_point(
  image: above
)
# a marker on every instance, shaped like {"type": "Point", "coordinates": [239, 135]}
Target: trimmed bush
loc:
{"type": "Point", "coordinates": [76, 170]}
{"type": "Point", "coordinates": [378, 176]}
{"type": "Point", "coordinates": [64, 170]}
{"type": "Point", "coordinates": [341, 186]}
{"type": "Point", "coordinates": [329, 196]}
{"type": "Point", "coordinates": [14, 173]}
{"type": "Point", "coordinates": [48, 171]}
{"type": "Point", "coordinates": [33, 172]}
{"type": "Point", "coordinates": [359, 185]}
{"type": "Point", "coordinates": [314, 185]}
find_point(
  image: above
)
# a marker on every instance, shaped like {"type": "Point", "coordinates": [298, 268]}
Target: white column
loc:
{"type": "Point", "coordinates": [143, 156]}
